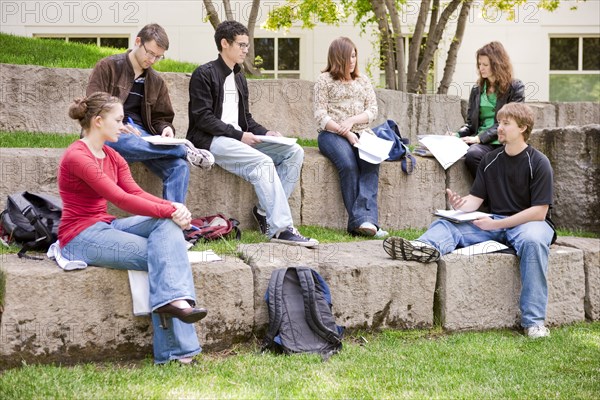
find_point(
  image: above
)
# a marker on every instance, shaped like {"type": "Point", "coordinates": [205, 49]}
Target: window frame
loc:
{"type": "Point", "coordinates": [276, 72]}
{"type": "Point", "coordinates": [579, 70]}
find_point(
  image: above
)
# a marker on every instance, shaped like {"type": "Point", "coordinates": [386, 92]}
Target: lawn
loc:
{"type": "Point", "coordinates": [413, 364]}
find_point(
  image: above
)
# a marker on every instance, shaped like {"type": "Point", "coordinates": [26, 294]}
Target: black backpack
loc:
{"type": "Point", "coordinates": [300, 317]}
{"type": "Point", "coordinates": [31, 219]}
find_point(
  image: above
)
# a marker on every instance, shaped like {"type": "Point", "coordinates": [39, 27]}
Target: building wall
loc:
{"type": "Point", "coordinates": [526, 37]}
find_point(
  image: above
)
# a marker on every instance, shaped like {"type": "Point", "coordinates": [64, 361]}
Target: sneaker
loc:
{"type": "Point", "coordinates": [410, 250]}
{"type": "Point", "coordinates": [292, 237]}
{"type": "Point", "coordinates": [380, 234]}
{"type": "Point", "coordinates": [366, 229]}
{"type": "Point", "coordinates": [537, 331]}
{"type": "Point", "coordinates": [261, 220]}
{"type": "Point", "coordinates": [200, 157]}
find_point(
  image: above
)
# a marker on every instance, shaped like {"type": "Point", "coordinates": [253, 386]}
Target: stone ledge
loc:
{"type": "Point", "coordinates": [591, 264]}
{"type": "Point", "coordinates": [482, 292]}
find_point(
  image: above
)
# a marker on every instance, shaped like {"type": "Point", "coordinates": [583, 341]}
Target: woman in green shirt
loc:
{"type": "Point", "coordinates": [495, 87]}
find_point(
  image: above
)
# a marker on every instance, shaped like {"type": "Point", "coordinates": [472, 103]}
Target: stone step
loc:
{"type": "Point", "coordinates": [50, 315]}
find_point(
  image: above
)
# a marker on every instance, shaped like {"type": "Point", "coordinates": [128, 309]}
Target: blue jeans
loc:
{"type": "Point", "coordinates": [359, 179]}
{"type": "Point", "coordinates": [153, 245]}
{"type": "Point", "coordinates": [532, 244]}
{"type": "Point", "coordinates": [169, 163]}
{"type": "Point", "coordinates": [273, 169]}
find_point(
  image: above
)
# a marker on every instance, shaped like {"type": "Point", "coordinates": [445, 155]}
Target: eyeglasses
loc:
{"type": "Point", "coordinates": [243, 46]}
{"type": "Point", "coordinates": [152, 55]}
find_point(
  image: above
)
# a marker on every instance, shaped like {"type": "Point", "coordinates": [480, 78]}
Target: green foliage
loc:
{"type": "Point", "coordinates": [412, 364]}
{"type": "Point", "coordinates": [60, 54]}
{"type": "Point", "coordinates": [20, 139]}
{"type": "Point", "coordinates": [309, 12]}
{"type": "Point", "coordinates": [575, 87]}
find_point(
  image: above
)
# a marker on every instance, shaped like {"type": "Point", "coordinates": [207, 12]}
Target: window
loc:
{"type": "Point", "coordinates": [115, 42]}
{"type": "Point", "coordinates": [407, 44]}
{"type": "Point", "coordinates": [278, 57]}
{"type": "Point", "coordinates": [575, 68]}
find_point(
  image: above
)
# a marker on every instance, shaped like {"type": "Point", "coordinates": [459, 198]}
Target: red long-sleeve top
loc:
{"type": "Point", "coordinates": [86, 183]}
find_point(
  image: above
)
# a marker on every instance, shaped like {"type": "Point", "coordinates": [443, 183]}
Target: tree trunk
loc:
{"type": "Point", "coordinates": [228, 12]}
{"type": "Point", "coordinates": [413, 51]}
{"type": "Point", "coordinates": [433, 41]}
{"type": "Point", "coordinates": [213, 16]}
{"type": "Point", "coordinates": [454, 47]}
{"type": "Point", "coordinates": [399, 40]}
{"type": "Point", "coordinates": [387, 44]}
{"type": "Point", "coordinates": [249, 62]}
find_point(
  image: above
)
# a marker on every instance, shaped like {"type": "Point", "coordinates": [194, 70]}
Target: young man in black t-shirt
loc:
{"type": "Point", "coordinates": [516, 181]}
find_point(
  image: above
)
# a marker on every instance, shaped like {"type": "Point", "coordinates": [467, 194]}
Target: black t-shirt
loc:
{"type": "Point", "coordinates": [133, 105]}
{"type": "Point", "coordinates": [511, 184]}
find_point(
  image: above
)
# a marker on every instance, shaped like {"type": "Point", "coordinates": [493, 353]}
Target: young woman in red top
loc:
{"type": "Point", "coordinates": [90, 174]}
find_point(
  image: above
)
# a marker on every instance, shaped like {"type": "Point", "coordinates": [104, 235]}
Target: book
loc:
{"type": "Point", "coordinates": [277, 139]}
{"type": "Point", "coordinates": [166, 141]}
{"type": "Point", "coordinates": [458, 216]}
{"type": "Point", "coordinates": [489, 246]}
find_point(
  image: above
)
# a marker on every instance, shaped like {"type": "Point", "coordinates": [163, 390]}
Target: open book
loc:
{"type": "Point", "coordinates": [457, 216]}
{"type": "Point", "coordinates": [165, 141]}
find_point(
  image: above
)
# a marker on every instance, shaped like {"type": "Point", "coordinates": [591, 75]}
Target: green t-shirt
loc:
{"type": "Point", "coordinates": [487, 112]}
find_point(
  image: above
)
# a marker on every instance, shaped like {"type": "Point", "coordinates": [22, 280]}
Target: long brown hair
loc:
{"type": "Point", "coordinates": [338, 59]}
{"type": "Point", "coordinates": [500, 64]}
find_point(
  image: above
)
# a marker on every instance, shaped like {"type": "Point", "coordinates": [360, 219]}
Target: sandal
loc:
{"type": "Point", "coordinates": [399, 248]}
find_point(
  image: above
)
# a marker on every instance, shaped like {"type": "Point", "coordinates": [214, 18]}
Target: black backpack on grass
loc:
{"type": "Point", "coordinates": [31, 219]}
{"type": "Point", "coordinates": [300, 316]}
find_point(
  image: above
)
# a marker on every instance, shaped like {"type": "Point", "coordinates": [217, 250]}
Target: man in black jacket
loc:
{"type": "Point", "coordinates": [220, 121]}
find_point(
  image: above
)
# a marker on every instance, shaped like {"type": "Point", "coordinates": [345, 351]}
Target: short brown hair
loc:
{"type": "Point", "coordinates": [154, 32]}
{"type": "Point", "coordinates": [338, 59]}
{"type": "Point", "coordinates": [521, 113]}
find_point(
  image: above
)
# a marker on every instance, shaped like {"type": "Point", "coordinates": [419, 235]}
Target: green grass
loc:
{"type": "Point", "coordinates": [413, 364]}
{"type": "Point", "coordinates": [60, 54]}
{"type": "Point", "coordinates": [22, 139]}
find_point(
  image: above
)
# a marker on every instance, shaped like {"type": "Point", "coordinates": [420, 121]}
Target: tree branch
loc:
{"type": "Point", "coordinates": [454, 47]}
{"type": "Point", "coordinates": [399, 40]}
{"type": "Point", "coordinates": [213, 16]}
{"type": "Point", "coordinates": [413, 51]}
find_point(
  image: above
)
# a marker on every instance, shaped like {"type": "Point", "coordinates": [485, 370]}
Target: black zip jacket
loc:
{"type": "Point", "coordinates": [515, 94]}
{"type": "Point", "coordinates": [206, 105]}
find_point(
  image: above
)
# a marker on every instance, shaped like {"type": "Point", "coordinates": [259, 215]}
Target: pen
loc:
{"type": "Point", "coordinates": [129, 120]}
{"type": "Point", "coordinates": [194, 227]}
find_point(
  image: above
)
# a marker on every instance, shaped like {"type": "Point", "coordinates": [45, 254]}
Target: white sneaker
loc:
{"type": "Point", "coordinates": [200, 157]}
{"type": "Point", "coordinates": [381, 234]}
{"type": "Point", "coordinates": [537, 331]}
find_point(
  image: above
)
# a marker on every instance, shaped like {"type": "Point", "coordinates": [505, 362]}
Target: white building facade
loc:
{"type": "Point", "coordinates": [556, 54]}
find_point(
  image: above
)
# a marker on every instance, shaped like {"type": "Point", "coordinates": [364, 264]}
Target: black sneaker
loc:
{"type": "Point", "coordinates": [410, 250]}
{"type": "Point", "coordinates": [292, 237]}
{"type": "Point", "coordinates": [261, 220]}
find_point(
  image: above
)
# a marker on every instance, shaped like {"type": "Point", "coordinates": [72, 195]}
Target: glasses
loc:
{"type": "Point", "coordinates": [151, 55]}
{"type": "Point", "coordinates": [243, 46]}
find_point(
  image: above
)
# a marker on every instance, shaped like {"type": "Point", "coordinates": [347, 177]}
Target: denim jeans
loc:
{"type": "Point", "coordinates": [532, 244]}
{"type": "Point", "coordinates": [359, 179]}
{"type": "Point", "coordinates": [273, 169]}
{"type": "Point", "coordinates": [169, 163]}
{"type": "Point", "coordinates": [153, 245]}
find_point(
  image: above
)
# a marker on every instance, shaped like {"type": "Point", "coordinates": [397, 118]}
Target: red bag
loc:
{"type": "Point", "coordinates": [212, 227]}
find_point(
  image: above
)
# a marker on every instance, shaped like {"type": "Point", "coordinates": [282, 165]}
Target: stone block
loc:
{"type": "Point", "coordinates": [591, 264]}
{"type": "Point", "coordinates": [51, 315]}
{"type": "Point", "coordinates": [577, 113]}
{"type": "Point", "coordinates": [402, 199]}
{"type": "Point", "coordinates": [369, 289]}
{"type": "Point", "coordinates": [482, 292]}
{"type": "Point", "coordinates": [545, 115]}
{"type": "Point", "coordinates": [574, 153]}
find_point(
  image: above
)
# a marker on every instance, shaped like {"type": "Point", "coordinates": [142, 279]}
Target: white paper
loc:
{"type": "Point", "coordinates": [277, 139]}
{"type": "Point", "coordinates": [461, 216]}
{"type": "Point", "coordinates": [373, 149]}
{"type": "Point", "coordinates": [202, 256]}
{"type": "Point", "coordinates": [489, 246]}
{"type": "Point", "coordinates": [446, 149]}
{"type": "Point", "coordinates": [166, 141]}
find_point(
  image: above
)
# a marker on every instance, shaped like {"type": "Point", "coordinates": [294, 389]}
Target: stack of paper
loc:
{"type": "Point", "coordinates": [446, 149]}
{"type": "Point", "coordinates": [165, 141]}
{"type": "Point", "coordinates": [278, 139]}
{"type": "Point", "coordinates": [373, 149]}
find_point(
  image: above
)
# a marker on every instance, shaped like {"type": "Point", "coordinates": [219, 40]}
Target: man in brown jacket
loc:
{"type": "Point", "coordinates": [148, 111]}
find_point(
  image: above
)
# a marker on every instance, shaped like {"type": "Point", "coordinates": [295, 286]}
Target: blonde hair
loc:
{"type": "Point", "coordinates": [338, 59]}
